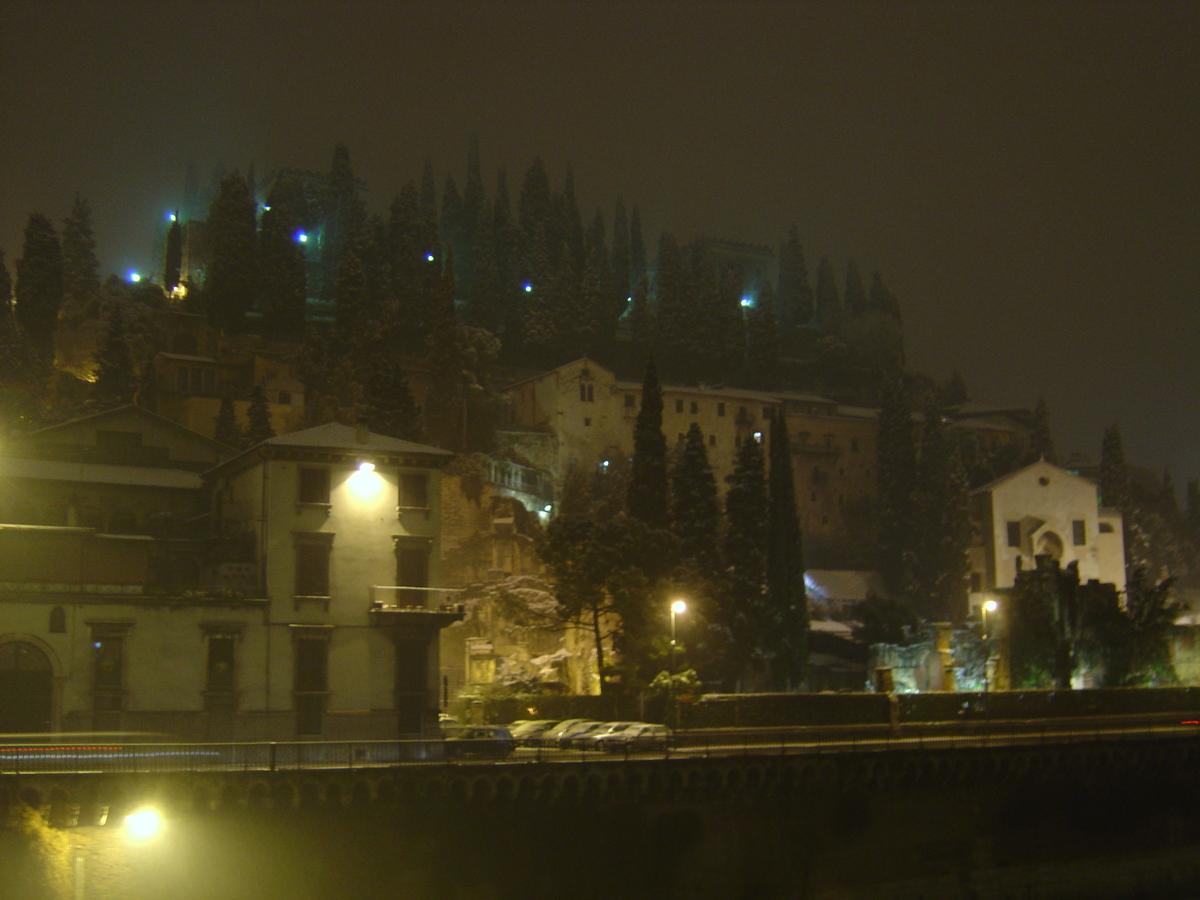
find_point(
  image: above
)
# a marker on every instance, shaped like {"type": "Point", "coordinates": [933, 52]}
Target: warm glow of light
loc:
{"type": "Point", "coordinates": [678, 607]}
{"type": "Point", "coordinates": [547, 508]}
{"type": "Point", "coordinates": [991, 605]}
{"type": "Point", "coordinates": [366, 484]}
{"type": "Point", "coordinates": [143, 824]}
{"type": "Point", "coordinates": [366, 466]}
{"type": "Point", "coordinates": [134, 277]}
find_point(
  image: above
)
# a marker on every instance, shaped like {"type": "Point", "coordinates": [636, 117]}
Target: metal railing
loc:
{"type": "Point", "coordinates": [385, 597]}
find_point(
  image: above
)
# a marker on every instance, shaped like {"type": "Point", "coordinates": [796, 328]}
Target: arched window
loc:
{"type": "Point", "coordinates": [1050, 544]}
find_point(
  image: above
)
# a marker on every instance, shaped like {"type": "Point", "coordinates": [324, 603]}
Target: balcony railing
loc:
{"type": "Point", "coordinates": [398, 598]}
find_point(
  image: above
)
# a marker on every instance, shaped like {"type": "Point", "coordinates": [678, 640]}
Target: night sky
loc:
{"type": "Point", "coordinates": [1025, 176]}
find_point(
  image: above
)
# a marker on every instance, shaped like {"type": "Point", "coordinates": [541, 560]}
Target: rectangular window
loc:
{"type": "Point", "coordinates": [312, 564]}
{"type": "Point", "coordinates": [412, 571]}
{"type": "Point", "coordinates": [586, 393]}
{"type": "Point", "coordinates": [1079, 532]}
{"type": "Point", "coordinates": [976, 582]}
{"type": "Point", "coordinates": [314, 485]}
{"type": "Point", "coordinates": [695, 407]}
{"type": "Point", "coordinates": [414, 490]}
{"type": "Point", "coordinates": [712, 440]}
{"type": "Point", "coordinates": [678, 406]}
{"type": "Point", "coordinates": [219, 671]}
{"type": "Point", "coordinates": [285, 398]}
{"type": "Point", "coordinates": [720, 409]}
{"type": "Point", "coordinates": [742, 411]}
{"type": "Point", "coordinates": [108, 675]}
{"type": "Point", "coordinates": [1014, 534]}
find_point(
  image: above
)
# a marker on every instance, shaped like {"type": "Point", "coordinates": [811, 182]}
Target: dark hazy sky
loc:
{"type": "Point", "coordinates": [1026, 176]}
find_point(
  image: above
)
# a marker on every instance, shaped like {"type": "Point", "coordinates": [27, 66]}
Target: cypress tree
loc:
{"type": "Point", "coordinates": [5, 291]}
{"type": "Point", "coordinates": [762, 341]}
{"type": "Point", "coordinates": [641, 318]}
{"type": "Point", "coordinates": [352, 302]}
{"type": "Point", "coordinates": [258, 418]}
{"type": "Point", "coordinates": [569, 229]}
{"type": "Point", "coordinates": [883, 299]}
{"type": "Point", "coordinates": [284, 276]}
{"type": "Point", "coordinates": [453, 224]}
{"type": "Point", "coordinates": [695, 507]}
{"type": "Point", "coordinates": [484, 307]}
{"type": "Point", "coordinates": [1116, 491]}
{"type": "Point", "coordinates": [173, 256]}
{"type": "Point", "coordinates": [533, 220]}
{"type": "Point", "coordinates": [446, 403]}
{"type": "Point", "coordinates": [672, 315]}
{"type": "Point", "coordinates": [829, 305]}
{"type": "Point", "coordinates": [795, 295]}
{"type": "Point", "coordinates": [116, 380]}
{"type": "Point", "coordinates": [856, 296]}
{"type": "Point", "coordinates": [746, 614]}
{"type": "Point", "coordinates": [227, 430]}
{"type": "Point", "coordinates": [388, 400]}
{"type": "Point", "coordinates": [431, 242]}
{"type": "Point", "coordinates": [637, 248]}
{"type": "Point", "coordinates": [785, 565]}
{"type": "Point", "coordinates": [896, 464]}
{"type": "Point", "coordinates": [1041, 442]}
{"type": "Point", "coordinates": [81, 279]}
{"type": "Point", "coordinates": [232, 276]}
{"type": "Point", "coordinates": [647, 498]}
{"type": "Point", "coordinates": [941, 529]}
{"type": "Point", "coordinates": [39, 288]}
{"type": "Point", "coordinates": [619, 263]}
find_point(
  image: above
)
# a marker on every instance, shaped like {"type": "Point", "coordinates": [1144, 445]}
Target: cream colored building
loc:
{"type": "Point", "coordinates": [1042, 510]}
{"type": "Point", "coordinates": [311, 609]}
{"type": "Point", "coordinates": [581, 415]}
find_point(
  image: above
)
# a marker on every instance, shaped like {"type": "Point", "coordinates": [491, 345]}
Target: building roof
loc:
{"type": "Point", "coordinates": [1041, 463]}
{"type": "Point", "coordinates": [99, 473]}
{"type": "Point", "coordinates": [129, 409]}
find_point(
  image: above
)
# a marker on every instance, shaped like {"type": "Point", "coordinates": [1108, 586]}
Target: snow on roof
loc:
{"type": "Point", "coordinates": [99, 473]}
{"type": "Point", "coordinates": [333, 435]}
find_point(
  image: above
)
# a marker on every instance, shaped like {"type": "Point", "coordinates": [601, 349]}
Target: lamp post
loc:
{"type": "Point", "coordinates": [678, 607]}
{"type": "Point", "coordinates": [989, 606]}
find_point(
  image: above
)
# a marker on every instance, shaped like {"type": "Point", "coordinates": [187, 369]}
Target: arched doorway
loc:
{"type": "Point", "coordinates": [26, 688]}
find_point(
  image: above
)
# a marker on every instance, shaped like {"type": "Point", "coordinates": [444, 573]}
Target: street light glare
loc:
{"type": "Point", "coordinates": [990, 605]}
{"type": "Point", "coordinates": [143, 824]}
{"type": "Point", "coordinates": [678, 607]}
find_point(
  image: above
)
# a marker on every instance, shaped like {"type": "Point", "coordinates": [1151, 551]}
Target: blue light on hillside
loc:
{"type": "Point", "coordinates": [429, 257]}
{"type": "Point", "coordinates": [134, 277]}
{"type": "Point", "coordinates": [748, 302]}
{"type": "Point", "coordinates": [301, 237]}
{"type": "Point", "coordinates": [529, 288]}
{"type": "Point", "coordinates": [171, 217]}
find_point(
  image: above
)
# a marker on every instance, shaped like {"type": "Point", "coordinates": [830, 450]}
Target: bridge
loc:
{"type": "Point", "coordinates": [936, 812]}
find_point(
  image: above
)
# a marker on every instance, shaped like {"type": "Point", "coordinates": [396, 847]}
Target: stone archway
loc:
{"type": "Point", "coordinates": [26, 688]}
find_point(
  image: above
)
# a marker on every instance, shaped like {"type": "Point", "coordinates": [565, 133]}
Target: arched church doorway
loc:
{"type": "Point", "coordinates": [26, 688]}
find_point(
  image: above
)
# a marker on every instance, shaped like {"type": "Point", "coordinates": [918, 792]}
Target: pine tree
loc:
{"type": "Point", "coordinates": [695, 507]}
{"type": "Point", "coordinates": [227, 430]}
{"type": "Point", "coordinates": [388, 400]}
{"type": "Point", "coordinates": [39, 288]}
{"type": "Point", "coordinates": [786, 591]}
{"type": "Point", "coordinates": [569, 228]}
{"type": "Point", "coordinates": [896, 465]}
{"type": "Point", "coordinates": [81, 279]}
{"type": "Point", "coordinates": [453, 228]}
{"type": "Point", "coordinates": [745, 613]}
{"type": "Point", "coordinates": [637, 248]}
{"type": "Point", "coordinates": [1041, 442]}
{"type": "Point", "coordinates": [446, 403]}
{"type": "Point", "coordinates": [116, 380]}
{"type": "Point", "coordinates": [352, 303]}
{"type": "Point", "coordinates": [883, 299]}
{"type": "Point", "coordinates": [258, 418]}
{"type": "Point", "coordinates": [232, 274]}
{"type": "Point", "coordinates": [534, 227]}
{"type": "Point", "coordinates": [173, 255]}
{"type": "Point", "coordinates": [623, 285]}
{"type": "Point", "coordinates": [647, 499]}
{"type": "Point", "coordinates": [641, 319]}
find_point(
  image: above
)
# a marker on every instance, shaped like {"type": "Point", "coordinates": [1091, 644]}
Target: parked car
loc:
{"type": "Point", "coordinates": [635, 738]}
{"type": "Point", "coordinates": [550, 737]}
{"type": "Point", "coordinates": [494, 741]}
{"type": "Point", "coordinates": [528, 731]}
{"type": "Point", "coordinates": [586, 740]}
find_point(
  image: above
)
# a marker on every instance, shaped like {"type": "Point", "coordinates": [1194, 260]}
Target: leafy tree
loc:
{"type": "Point", "coordinates": [39, 288]}
{"type": "Point", "coordinates": [116, 380]}
{"type": "Point", "coordinates": [745, 614]}
{"type": "Point", "coordinates": [81, 279]}
{"type": "Point", "coordinates": [786, 591]}
{"type": "Point", "coordinates": [1036, 643]}
{"type": "Point", "coordinates": [647, 499]}
{"type": "Point", "coordinates": [232, 275]}
{"type": "Point", "coordinates": [883, 620]}
{"type": "Point", "coordinates": [258, 418]}
{"type": "Point", "coordinates": [173, 255]}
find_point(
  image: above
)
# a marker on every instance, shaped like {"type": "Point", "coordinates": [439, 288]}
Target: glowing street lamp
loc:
{"type": "Point", "coordinates": [144, 824]}
{"type": "Point", "coordinates": [989, 606]}
{"type": "Point", "coordinates": [678, 608]}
